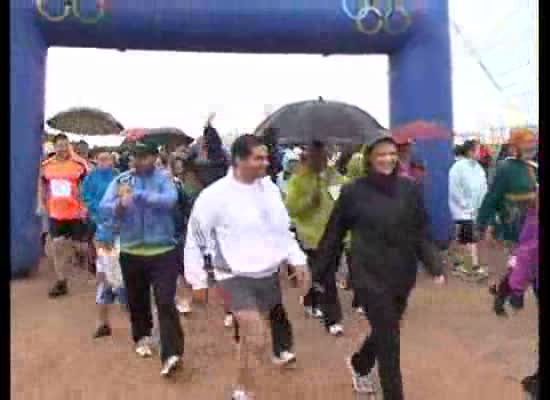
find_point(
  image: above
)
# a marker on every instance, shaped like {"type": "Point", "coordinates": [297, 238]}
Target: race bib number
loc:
{"type": "Point", "coordinates": [60, 188]}
{"type": "Point", "coordinates": [334, 191]}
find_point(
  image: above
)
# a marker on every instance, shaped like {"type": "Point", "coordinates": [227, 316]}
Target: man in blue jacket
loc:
{"type": "Point", "coordinates": [141, 202]}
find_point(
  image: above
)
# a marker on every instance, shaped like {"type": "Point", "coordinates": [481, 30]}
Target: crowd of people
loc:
{"type": "Point", "coordinates": [187, 220]}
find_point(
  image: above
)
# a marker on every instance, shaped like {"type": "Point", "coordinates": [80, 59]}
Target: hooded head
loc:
{"type": "Point", "coordinates": [524, 141]}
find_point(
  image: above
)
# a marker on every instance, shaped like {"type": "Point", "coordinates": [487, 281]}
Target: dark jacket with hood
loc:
{"type": "Point", "coordinates": [390, 233]}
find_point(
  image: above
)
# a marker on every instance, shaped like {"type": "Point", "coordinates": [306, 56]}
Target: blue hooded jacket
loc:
{"type": "Point", "coordinates": [94, 187]}
{"type": "Point", "coordinates": [149, 219]}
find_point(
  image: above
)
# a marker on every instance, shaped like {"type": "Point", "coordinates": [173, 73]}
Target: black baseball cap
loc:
{"type": "Point", "coordinates": [144, 147]}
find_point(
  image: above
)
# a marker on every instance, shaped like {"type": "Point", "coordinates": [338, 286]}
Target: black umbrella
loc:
{"type": "Point", "coordinates": [330, 122]}
{"type": "Point", "coordinates": [85, 121]}
{"type": "Point", "coordinates": [166, 137]}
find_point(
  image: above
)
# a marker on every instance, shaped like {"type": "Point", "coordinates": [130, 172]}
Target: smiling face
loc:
{"type": "Point", "coordinates": [255, 165]}
{"type": "Point", "coordinates": [383, 157]}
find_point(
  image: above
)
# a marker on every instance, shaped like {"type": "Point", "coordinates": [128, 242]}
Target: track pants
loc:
{"type": "Point", "coordinates": [160, 272]}
{"type": "Point", "coordinates": [384, 312]}
{"type": "Point", "coordinates": [328, 302]}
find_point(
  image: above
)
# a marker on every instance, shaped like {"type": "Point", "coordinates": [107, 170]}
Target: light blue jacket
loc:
{"type": "Point", "coordinates": [467, 188]}
{"type": "Point", "coordinates": [149, 219]}
{"type": "Point", "coordinates": [94, 187]}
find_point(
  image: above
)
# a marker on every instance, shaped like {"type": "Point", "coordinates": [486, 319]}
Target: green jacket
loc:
{"type": "Point", "coordinates": [509, 197]}
{"type": "Point", "coordinates": [310, 220]}
{"type": "Point", "coordinates": [356, 165]}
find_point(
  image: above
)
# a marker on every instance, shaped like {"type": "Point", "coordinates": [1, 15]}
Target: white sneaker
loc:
{"type": "Point", "coordinates": [184, 307]}
{"type": "Point", "coordinates": [169, 366]}
{"type": "Point", "coordinates": [362, 383]}
{"type": "Point", "coordinates": [336, 330]}
{"type": "Point", "coordinates": [313, 312]}
{"type": "Point", "coordinates": [144, 347]}
{"type": "Point", "coordinates": [228, 321]}
{"type": "Point", "coordinates": [240, 395]}
{"type": "Point", "coordinates": [360, 311]}
{"type": "Point", "coordinates": [285, 358]}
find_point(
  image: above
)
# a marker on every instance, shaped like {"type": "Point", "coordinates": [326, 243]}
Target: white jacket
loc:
{"type": "Point", "coordinates": [467, 188]}
{"type": "Point", "coordinates": [244, 228]}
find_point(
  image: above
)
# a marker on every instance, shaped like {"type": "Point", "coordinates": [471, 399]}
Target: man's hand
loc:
{"type": "Point", "coordinates": [302, 275]}
{"type": "Point", "coordinates": [210, 118]}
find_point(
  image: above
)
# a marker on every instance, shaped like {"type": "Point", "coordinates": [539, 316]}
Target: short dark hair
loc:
{"type": "Point", "coordinates": [468, 146]}
{"type": "Point", "coordinates": [243, 146]}
{"type": "Point", "coordinates": [59, 137]}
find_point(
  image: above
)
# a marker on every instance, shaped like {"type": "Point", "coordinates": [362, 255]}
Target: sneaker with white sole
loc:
{"type": "Point", "coordinates": [336, 330]}
{"type": "Point", "coordinates": [313, 312]}
{"type": "Point", "coordinates": [144, 347]}
{"type": "Point", "coordinates": [362, 383]}
{"type": "Point", "coordinates": [228, 321]}
{"type": "Point", "coordinates": [170, 365]}
{"type": "Point", "coordinates": [285, 358]}
{"type": "Point", "coordinates": [240, 395]}
{"type": "Point", "coordinates": [184, 307]}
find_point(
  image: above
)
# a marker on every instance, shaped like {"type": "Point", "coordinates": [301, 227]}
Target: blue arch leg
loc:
{"type": "Point", "coordinates": [27, 65]}
{"type": "Point", "coordinates": [421, 88]}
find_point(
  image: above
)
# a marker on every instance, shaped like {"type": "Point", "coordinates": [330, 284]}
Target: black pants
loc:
{"type": "Point", "coordinates": [281, 330]}
{"type": "Point", "coordinates": [384, 311]}
{"type": "Point", "coordinates": [328, 302]}
{"type": "Point", "coordinates": [160, 272]}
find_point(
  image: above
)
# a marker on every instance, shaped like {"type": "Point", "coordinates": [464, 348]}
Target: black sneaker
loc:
{"type": "Point", "coordinates": [531, 385]}
{"type": "Point", "coordinates": [59, 289]}
{"type": "Point", "coordinates": [102, 331]}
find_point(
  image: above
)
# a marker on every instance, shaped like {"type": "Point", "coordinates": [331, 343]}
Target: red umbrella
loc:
{"type": "Point", "coordinates": [420, 130]}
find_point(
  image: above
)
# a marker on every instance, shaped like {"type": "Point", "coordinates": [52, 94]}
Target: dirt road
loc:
{"type": "Point", "coordinates": [453, 348]}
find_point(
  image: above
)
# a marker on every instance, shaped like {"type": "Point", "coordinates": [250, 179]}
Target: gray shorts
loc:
{"type": "Point", "coordinates": [243, 293]}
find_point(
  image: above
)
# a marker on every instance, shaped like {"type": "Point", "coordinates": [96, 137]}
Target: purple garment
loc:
{"type": "Point", "coordinates": [526, 269]}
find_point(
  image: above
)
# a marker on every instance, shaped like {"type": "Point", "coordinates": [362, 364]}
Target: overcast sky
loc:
{"type": "Point", "coordinates": [151, 89]}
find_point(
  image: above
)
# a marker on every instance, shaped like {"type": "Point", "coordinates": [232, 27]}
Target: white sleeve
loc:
{"type": "Point", "coordinates": [197, 242]}
{"type": "Point", "coordinates": [296, 256]}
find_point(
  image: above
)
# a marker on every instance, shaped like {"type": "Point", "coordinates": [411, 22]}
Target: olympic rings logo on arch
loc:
{"type": "Point", "coordinates": [394, 18]}
{"type": "Point", "coordinates": [72, 7]}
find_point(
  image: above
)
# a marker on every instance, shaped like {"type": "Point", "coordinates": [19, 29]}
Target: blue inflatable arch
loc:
{"type": "Point", "coordinates": [418, 49]}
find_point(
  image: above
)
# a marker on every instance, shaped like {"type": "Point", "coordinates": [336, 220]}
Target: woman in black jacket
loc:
{"type": "Point", "coordinates": [389, 228]}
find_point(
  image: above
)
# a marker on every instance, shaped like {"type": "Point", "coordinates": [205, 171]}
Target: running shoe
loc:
{"type": "Point", "coordinates": [240, 395]}
{"type": "Point", "coordinates": [336, 330]}
{"type": "Point", "coordinates": [313, 312]}
{"type": "Point", "coordinates": [169, 366]}
{"type": "Point", "coordinates": [59, 289]}
{"type": "Point", "coordinates": [362, 383]}
{"type": "Point", "coordinates": [144, 347]}
{"type": "Point", "coordinates": [360, 310]}
{"type": "Point", "coordinates": [184, 307]}
{"type": "Point", "coordinates": [228, 321]}
{"type": "Point", "coordinates": [102, 331]}
{"type": "Point", "coordinates": [480, 271]}
{"type": "Point", "coordinates": [285, 358]}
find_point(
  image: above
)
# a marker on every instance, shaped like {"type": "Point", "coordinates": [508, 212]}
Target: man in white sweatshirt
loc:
{"type": "Point", "coordinates": [238, 237]}
{"type": "Point", "coordinates": [467, 188]}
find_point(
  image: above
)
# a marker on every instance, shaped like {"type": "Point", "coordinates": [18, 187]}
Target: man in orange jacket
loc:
{"type": "Point", "coordinates": [61, 178]}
